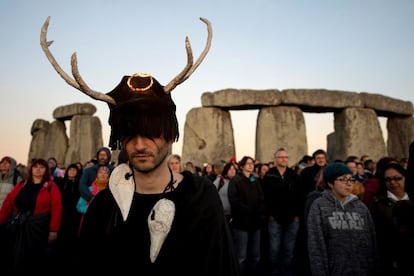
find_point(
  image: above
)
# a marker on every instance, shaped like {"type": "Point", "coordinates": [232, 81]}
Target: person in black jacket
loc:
{"type": "Point", "coordinates": [247, 206]}
{"type": "Point", "coordinates": [282, 198]}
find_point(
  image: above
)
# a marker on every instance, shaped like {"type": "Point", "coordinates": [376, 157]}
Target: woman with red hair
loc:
{"type": "Point", "coordinates": [37, 200]}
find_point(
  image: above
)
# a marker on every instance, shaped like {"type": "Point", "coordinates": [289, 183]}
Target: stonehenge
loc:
{"type": "Point", "coordinates": [51, 140]}
{"type": "Point", "coordinates": [208, 131]}
{"type": "Point", "coordinates": [280, 123]}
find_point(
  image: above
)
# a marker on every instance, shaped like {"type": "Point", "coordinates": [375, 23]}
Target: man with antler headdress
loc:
{"type": "Point", "coordinates": [151, 219]}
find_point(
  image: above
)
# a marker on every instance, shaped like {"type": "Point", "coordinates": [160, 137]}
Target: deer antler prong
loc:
{"type": "Point", "coordinates": [84, 87]}
{"type": "Point", "coordinates": [190, 67]}
{"type": "Point", "coordinates": [78, 83]}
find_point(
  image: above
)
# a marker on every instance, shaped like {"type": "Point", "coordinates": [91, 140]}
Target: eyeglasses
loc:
{"type": "Point", "coordinates": [282, 157]}
{"type": "Point", "coordinates": [346, 180]}
{"type": "Point", "coordinates": [395, 178]}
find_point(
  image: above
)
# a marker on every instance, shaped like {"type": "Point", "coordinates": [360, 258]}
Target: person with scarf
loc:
{"type": "Point", "coordinates": [101, 182]}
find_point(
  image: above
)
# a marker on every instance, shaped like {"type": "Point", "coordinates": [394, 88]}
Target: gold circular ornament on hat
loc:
{"type": "Point", "coordinates": [140, 75]}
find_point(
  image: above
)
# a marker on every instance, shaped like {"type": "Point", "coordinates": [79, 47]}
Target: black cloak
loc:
{"type": "Point", "coordinates": [199, 242]}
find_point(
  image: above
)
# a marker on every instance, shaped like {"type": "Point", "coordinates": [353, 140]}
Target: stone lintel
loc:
{"type": "Point", "coordinates": [66, 112]}
{"type": "Point", "coordinates": [387, 106]}
{"type": "Point", "coordinates": [308, 100]}
{"type": "Point", "coordinates": [241, 99]}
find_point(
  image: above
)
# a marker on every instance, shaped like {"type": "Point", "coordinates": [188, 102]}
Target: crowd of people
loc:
{"type": "Point", "coordinates": [151, 215]}
{"type": "Point", "coordinates": [302, 219]}
{"type": "Point", "coordinates": [315, 217]}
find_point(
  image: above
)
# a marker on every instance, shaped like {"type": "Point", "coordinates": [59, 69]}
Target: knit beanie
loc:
{"type": "Point", "coordinates": [335, 170]}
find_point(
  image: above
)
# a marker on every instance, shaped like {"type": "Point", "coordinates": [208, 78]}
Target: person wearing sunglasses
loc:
{"type": "Point", "coordinates": [387, 209]}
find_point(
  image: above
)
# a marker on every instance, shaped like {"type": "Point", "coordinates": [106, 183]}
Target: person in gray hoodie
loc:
{"type": "Point", "coordinates": [341, 234]}
{"type": "Point", "coordinates": [9, 176]}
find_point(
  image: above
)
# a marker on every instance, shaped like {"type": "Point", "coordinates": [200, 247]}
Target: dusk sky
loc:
{"type": "Point", "coordinates": [353, 45]}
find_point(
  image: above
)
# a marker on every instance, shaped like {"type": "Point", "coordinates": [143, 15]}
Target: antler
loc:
{"type": "Point", "coordinates": [190, 68]}
{"type": "Point", "coordinates": [78, 82]}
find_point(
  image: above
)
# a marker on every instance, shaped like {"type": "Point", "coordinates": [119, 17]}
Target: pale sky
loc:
{"type": "Point", "coordinates": [352, 45]}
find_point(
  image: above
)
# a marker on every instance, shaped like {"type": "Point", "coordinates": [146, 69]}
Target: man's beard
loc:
{"type": "Point", "coordinates": [157, 161]}
{"type": "Point", "coordinates": [102, 161]}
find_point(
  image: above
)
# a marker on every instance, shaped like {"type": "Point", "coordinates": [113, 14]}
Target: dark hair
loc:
{"type": "Point", "coordinates": [226, 168]}
{"type": "Point", "coordinates": [379, 169]}
{"type": "Point", "coordinates": [351, 158]}
{"type": "Point", "coordinates": [382, 189]}
{"type": "Point", "coordinates": [318, 152]}
{"type": "Point", "coordinates": [306, 158]}
{"type": "Point", "coordinates": [42, 162]}
{"type": "Point", "coordinates": [80, 166]}
{"type": "Point", "coordinates": [7, 159]}
{"type": "Point", "coordinates": [368, 162]}
{"type": "Point", "coordinates": [73, 166]}
{"type": "Point", "coordinates": [243, 161]}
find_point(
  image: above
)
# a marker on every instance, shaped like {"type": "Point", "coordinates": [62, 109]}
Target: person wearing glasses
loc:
{"type": "Point", "coordinates": [281, 189]}
{"type": "Point", "coordinates": [341, 234]}
{"type": "Point", "coordinates": [389, 207]}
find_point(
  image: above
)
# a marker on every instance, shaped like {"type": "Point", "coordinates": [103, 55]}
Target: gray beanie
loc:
{"type": "Point", "coordinates": [335, 170]}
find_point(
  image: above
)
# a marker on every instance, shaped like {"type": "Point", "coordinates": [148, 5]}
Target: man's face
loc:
{"type": "Point", "coordinates": [103, 158]}
{"type": "Point", "coordinates": [281, 159]}
{"type": "Point", "coordinates": [146, 154]}
{"type": "Point", "coordinates": [320, 160]}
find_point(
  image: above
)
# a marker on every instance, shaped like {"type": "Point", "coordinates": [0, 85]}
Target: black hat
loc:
{"type": "Point", "coordinates": [142, 107]}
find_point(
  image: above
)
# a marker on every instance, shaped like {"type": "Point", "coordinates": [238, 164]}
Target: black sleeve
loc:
{"type": "Point", "coordinates": [97, 227]}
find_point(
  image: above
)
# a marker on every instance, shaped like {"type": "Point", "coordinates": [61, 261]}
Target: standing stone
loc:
{"type": "Point", "coordinates": [208, 131]}
{"type": "Point", "coordinates": [51, 140]}
{"type": "Point", "coordinates": [39, 132]}
{"type": "Point", "coordinates": [208, 136]}
{"type": "Point", "coordinates": [277, 127]}
{"type": "Point", "coordinates": [48, 140]}
{"type": "Point", "coordinates": [85, 138]}
{"type": "Point", "coordinates": [357, 132]}
{"type": "Point", "coordinates": [56, 142]}
{"type": "Point", "coordinates": [400, 134]}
